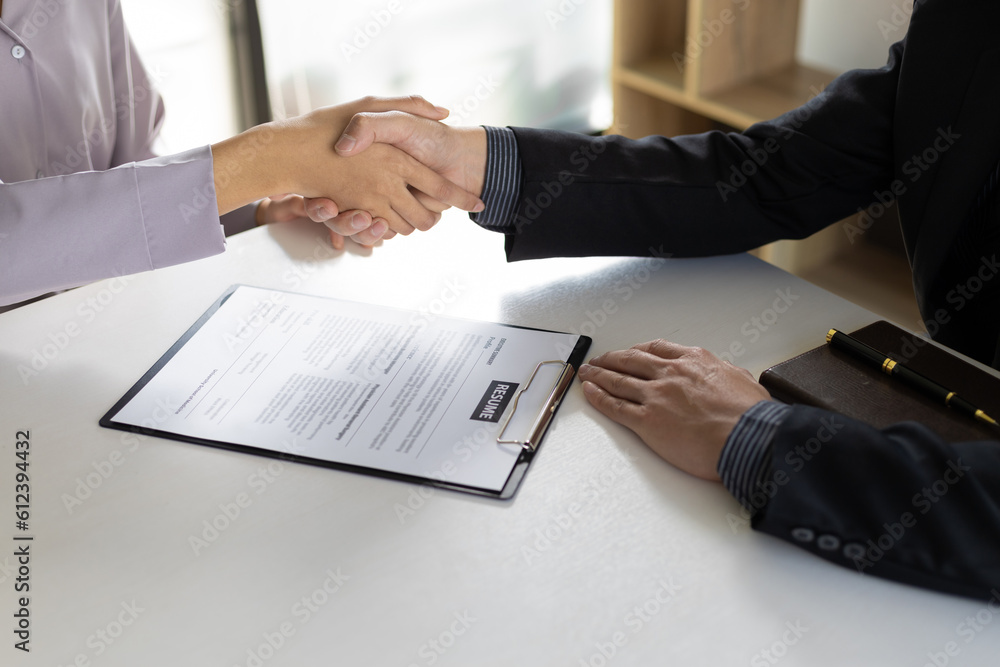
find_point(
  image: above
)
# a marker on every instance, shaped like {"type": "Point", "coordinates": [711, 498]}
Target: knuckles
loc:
{"type": "Point", "coordinates": [360, 124]}
{"type": "Point", "coordinates": [443, 191]}
{"type": "Point", "coordinates": [417, 100]}
{"type": "Point", "coordinates": [617, 383]}
{"type": "Point", "coordinates": [631, 354]}
{"type": "Point", "coordinates": [425, 220]}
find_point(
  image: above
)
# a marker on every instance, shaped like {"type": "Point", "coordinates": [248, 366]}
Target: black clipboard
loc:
{"type": "Point", "coordinates": [528, 441]}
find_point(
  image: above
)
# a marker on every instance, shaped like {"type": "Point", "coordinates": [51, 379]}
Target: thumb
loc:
{"type": "Point", "coordinates": [392, 127]}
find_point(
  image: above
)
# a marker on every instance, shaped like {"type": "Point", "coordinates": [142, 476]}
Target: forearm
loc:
{"type": "Point", "coordinates": [650, 193]}
{"type": "Point", "coordinates": [705, 194]}
{"type": "Point", "coordinates": [245, 168]}
{"type": "Point", "coordinates": [681, 194]}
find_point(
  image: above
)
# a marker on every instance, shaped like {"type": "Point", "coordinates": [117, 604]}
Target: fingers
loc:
{"type": "Point", "coordinates": [286, 208]}
{"type": "Point", "coordinates": [355, 224]}
{"type": "Point", "coordinates": [403, 178]}
{"type": "Point", "coordinates": [665, 349]}
{"type": "Point", "coordinates": [348, 223]}
{"type": "Point", "coordinates": [414, 104]}
{"type": "Point", "coordinates": [373, 234]}
{"type": "Point", "coordinates": [648, 360]}
{"type": "Point", "coordinates": [442, 190]}
{"type": "Point", "coordinates": [407, 214]}
{"type": "Point", "coordinates": [614, 408]}
{"type": "Point", "coordinates": [430, 203]}
{"type": "Point", "coordinates": [358, 225]}
{"type": "Point", "coordinates": [320, 209]}
{"type": "Point", "coordinates": [280, 209]}
{"type": "Point", "coordinates": [401, 215]}
{"type": "Point", "coordinates": [618, 385]}
{"type": "Point", "coordinates": [633, 361]}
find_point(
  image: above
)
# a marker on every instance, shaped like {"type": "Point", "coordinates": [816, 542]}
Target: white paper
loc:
{"type": "Point", "coordinates": [352, 383]}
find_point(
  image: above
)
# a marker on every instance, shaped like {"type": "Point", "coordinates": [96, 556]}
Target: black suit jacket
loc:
{"type": "Point", "coordinates": [925, 130]}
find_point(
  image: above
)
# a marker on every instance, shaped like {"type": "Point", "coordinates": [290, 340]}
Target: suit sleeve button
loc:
{"type": "Point", "coordinates": [828, 542]}
{"type": "Point", "coordinates": [854, 551]}
{"type": "Point", "coordinates": [803, 535]}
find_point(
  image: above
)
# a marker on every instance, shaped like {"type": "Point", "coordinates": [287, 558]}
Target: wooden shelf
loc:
{"type": "Point", "coordinates": [742, 105]}
{"type": "Point", "coordinates": [657, 77]}
{"type": "Point", "coordinates": [772, 95]}
{"type": "Point", "coordinates": [688, 66]}
{"type": "Point", "coordinates": [737, 71]}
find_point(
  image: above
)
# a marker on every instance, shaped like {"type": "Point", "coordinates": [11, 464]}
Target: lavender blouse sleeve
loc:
{"type": "Point", "coordinates": [82, 196]}
{"type": "Point", "coordinates": [64, 231]}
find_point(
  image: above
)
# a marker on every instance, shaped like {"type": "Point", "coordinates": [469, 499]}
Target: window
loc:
{"type": "Point", "coordinates": [502, 62]}
{"type": "Point", "coordinates": [185, 46]}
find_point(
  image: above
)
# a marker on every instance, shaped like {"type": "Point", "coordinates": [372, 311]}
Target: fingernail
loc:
{"type": "Point", "coordinates": [358, 222]}
{"type": "Point", "coordinates": [345, 144]}
{"type": "Point", "coordinates": [479, 208]}
{"type": "Point", "coordinates": [322, 214]}
{"type": "Point", "coordinates": [379, 229]}
{"type": "Point", "coordinates": [585, 368]}
{"type": "Point", "coordinates": [441, 110]}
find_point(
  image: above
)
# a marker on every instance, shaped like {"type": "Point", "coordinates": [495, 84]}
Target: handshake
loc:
{"type": "Point", "coordinates": [368, 169]}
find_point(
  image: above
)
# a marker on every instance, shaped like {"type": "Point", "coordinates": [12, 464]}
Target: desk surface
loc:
{"type": "Point", "coordinates": [607, 555]}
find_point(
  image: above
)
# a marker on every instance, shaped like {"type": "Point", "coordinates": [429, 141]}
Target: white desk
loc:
{"type": "Point", "coordinates": [579, 563]}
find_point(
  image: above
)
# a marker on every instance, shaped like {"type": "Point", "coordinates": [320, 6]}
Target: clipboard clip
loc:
{"type": "Point", "coordinates": [544, 416]}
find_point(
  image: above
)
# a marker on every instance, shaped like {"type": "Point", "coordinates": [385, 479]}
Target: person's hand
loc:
{"type": "Point", "coordinates": [457, 153]}
{"type": "Point", "coordinates": [296, 155]}
{"type": "Point", "coordinates": [682, 401]}
{"type": "Point", "coordinates": [289, 208]}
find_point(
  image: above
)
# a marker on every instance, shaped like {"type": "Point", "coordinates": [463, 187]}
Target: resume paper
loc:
{"type": "Point", "coordinates": [348, 383]}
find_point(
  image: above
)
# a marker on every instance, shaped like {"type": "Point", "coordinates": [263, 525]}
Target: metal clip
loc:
{"type": "Point", "coordinates": [544, 415]}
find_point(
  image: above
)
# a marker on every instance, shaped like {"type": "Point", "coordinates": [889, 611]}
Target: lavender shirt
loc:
{"type": "Point", "coordinates": [82, 197]}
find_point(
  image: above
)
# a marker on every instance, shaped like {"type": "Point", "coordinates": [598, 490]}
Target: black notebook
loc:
{"type": "Point", "coordinates": [832, 379]}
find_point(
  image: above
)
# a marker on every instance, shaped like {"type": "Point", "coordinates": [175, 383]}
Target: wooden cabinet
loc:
{"type": "Point", "coordinates": [686, 66]}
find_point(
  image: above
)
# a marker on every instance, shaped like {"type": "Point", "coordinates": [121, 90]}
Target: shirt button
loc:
{"type": "Point", "coordinates": [802, 535]}
{"type": "Point", "coordinates": [18, 51]}
{"type": "Point", "coordinates": [828, 542]}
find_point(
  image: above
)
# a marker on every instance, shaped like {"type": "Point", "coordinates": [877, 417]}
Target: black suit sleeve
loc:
{"type": "Point", "coordinates": [898, 503]}
{"type": "Point", "coordinates": [713, 193]}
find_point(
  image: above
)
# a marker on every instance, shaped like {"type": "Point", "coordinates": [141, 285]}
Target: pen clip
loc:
{"type": "Point", "coordinates": [544, 416]}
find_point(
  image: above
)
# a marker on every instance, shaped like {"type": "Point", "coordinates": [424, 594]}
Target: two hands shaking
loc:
{"type": "Point", "coordinates": [367, 169]}
{"type": "Point", "coordinates": [378, 167]}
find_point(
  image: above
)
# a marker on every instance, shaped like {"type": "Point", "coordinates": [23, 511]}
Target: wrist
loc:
{"type": "Point", "coordinates": [247, 167]}
{"type": "Point", "coordinates": [260, 212]}
{"type": "Point", "coordinates": [474, 151]}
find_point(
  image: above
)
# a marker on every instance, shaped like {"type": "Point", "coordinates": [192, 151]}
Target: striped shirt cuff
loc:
{"type": "Point", "coordinates": [502, 184]}
{"type": "Point", "coordinates": [746, 457]}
